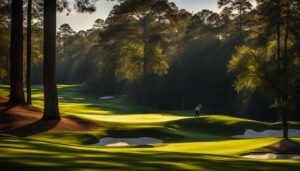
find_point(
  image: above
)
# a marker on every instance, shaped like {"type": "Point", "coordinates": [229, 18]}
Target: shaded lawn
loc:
{"type": "Point", "coordinates": [78, 99]}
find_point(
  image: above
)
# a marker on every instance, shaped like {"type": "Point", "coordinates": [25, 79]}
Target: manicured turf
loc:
{"type": "Point", "coordinates": [204, 143]}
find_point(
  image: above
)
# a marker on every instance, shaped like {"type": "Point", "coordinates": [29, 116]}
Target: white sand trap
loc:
{"type": "Point", "coordinates": [118, 144]}
{"type": "Point", "coordinates": [106, 97]}
{"type": "Point", "coordinates": [249, 133]}
{"type": "Point", "coordinates": [272, 156]}
{"type": "Point", "coordinates": [121, 142]}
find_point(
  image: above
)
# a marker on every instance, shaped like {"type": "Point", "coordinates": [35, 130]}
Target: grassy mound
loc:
{"type": "Point", "coordinates": [224, 125]}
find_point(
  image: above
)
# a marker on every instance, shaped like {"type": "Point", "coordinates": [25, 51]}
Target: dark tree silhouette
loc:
{"type": "Point", "coordinates": [16, 59]}
{"type": "Point", "coordinates": [51, 110]}
{"type": "Point", "coordinates": [28, 73]}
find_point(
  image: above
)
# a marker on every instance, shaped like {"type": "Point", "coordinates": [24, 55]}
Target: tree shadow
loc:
{"type": "Point", "coordinates": [33, 128]}
{"type": "Point", "coordinates": [6, 106]}
{"type": "Point", "coordinates": [143, 161]}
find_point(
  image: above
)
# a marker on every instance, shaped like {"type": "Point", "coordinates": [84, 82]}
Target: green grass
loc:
{"type": "Point", "coordinates": [204, 143]}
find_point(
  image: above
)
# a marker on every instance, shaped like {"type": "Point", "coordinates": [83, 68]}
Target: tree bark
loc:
{"type": "Point", "coordinates": [226, 31]}
{"type": "Point", "coordinates": [240, 18]}
{"type": "Point", "coordinates": [278, 36]}
{"type": "Point", "coordinates": [182, 96]}
{"type": "Point", "coordinates": [145, 62]}
{"type": "Point", "coordinates": [16, 52]}
{"type": "Point", "coordinates": [280, 90]}
{"type": "Point", "coordinates": [286, 71]}
{"type": "Point", "coordinates": [51, 110]}
{"type": "Point", "coordinates": [28, 73]}
{"type": "Point", "coordinates": [285, 125]}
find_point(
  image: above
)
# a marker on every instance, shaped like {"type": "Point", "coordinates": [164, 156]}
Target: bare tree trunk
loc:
{"type": "Point", "coordinates": [182, 92]}
{"type": "Point", "coordinates": [7, 65]}
{"type": "Point", "coordinates": [181, 84]}
{"type": "Point", "coordinates": [226, 31]}
{"type": "Point", "coordinates": [16, 52]}
{"type": "Point", "coordinates": [285, 125]}
{"type": "Point", "coordinates": [240, 18]}
{"type": "Point", "coordinates": [28, 73]}
{"type": "Point", "coordinates": [145, 62]}
{"type": "Point", "coordinates": [51, 110]}
{"type": "Point", "coordinates": [280, 93]}
{"type": "Point", "coordinates": [286, 72]}
{"type": "Point", "coordinates": [278, 48]}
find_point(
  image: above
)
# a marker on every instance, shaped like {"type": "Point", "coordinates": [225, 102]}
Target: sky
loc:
{"type": "Point", "coordinates": [85, 21]}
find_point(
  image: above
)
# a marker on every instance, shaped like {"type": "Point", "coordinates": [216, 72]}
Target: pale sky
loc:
{"type": "Point", "coordinates": [85, 21]}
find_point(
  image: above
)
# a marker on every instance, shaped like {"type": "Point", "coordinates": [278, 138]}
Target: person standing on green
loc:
{"type": "Point", "coordinates": [197, 110]}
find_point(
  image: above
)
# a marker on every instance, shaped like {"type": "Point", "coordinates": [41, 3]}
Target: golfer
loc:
{"type": "Point", "coordinates": [197, 110]}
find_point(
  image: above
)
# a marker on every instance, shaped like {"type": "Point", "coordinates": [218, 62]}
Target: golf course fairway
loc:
{"type": "Point", "coordinates": [204, 143]}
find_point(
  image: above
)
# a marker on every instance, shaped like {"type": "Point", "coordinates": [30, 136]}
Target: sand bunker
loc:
{"type": "Point", "coordinates": [120, 142]}
{"type": "Point", "coordinates": [267, 133]}
{"type": "Point", "coordinates": [106, 97]}
{"type": "Point", "coordinates": [272, 156]}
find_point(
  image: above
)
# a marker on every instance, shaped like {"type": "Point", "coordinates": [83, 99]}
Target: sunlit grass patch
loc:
{"type": "Point", "coordinates": [133, 118]}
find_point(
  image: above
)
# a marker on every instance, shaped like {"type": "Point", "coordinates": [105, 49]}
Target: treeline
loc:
{"type": "Point", "coordinates": [169, 58]}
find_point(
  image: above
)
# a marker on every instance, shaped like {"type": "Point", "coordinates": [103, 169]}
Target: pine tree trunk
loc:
{"type": "Point", "coordinates": [28, 73]}
{"type": "Point", "coordinates": [278, 37]}
{"type": "Point", "coordinates": [182, 98]}
{"type": "Point", "coordinates": [285, 125]}
{"type": "Point", "coordinates": [240, 18]}
{"type": "Point", "coordinates": [145, 61]}
{"type": "Point", "coordinates": [226, 31]}
{"type": "Point", "coordinates": [51, 110]}
{"type": "Point", "coordinates": [280, 94]}
{"type": "Point", "coordinates": [286, 72]}
{"type": "Point", "coordinates": [16, 52]}
{"type": "Point", "coordinates": [182, 88]}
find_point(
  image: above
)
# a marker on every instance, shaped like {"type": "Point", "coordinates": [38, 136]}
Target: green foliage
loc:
{"type": "Point", "coordinates": [4, 49]}
{"type": "Point", "coordinates": [130, 63]}
{"type": "Point", "coordinates": [246, 63]}
{"type": "Point", "coordinates": [270, 66]}
{"type": "Point", "coordinates": [256, 69]}
{"type": "Point", "coordinates": [4, 41]}
{"type": "Point", "coordinates": [158, 64]}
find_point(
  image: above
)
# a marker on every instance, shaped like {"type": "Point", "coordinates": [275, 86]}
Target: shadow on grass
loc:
{"type": "Point", "coordinates": [33, 128]}
{"type": "Point", "coordinates": [55, 158]}
{"type": "Point", "coordinates": [6, 106]}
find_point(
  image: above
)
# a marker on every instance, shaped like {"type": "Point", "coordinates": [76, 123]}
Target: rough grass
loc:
{"type": "Point", "coordinates": [204, 143]}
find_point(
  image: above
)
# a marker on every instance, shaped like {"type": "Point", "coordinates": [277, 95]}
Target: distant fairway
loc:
{"type": "Point", "coordinates": [204, 143]}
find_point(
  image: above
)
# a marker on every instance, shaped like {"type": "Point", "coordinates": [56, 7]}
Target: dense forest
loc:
{"type": "Point", "coordinates": [169, 58]}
